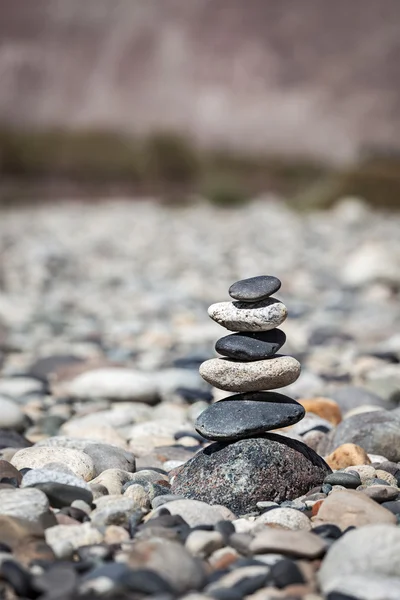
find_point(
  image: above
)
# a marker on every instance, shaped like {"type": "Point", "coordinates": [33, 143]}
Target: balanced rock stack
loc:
{"type": "Point", "coordinates": [248, 465]}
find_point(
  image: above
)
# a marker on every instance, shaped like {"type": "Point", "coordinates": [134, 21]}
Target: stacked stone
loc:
{"type": "Point", "coordinates": [250, 365]}
{"type": "Point", "coordinates": [247, 463]}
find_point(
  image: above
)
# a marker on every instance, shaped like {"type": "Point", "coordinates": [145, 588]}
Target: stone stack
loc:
{"type": "Point", "coordinates": [239, 423]}
{"type": "Point", "coordinates": [252, 365]}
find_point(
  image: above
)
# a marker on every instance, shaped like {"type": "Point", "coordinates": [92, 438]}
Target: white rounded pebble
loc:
{"type": "Point", "coordinates": [114, 384]}
{"type": "Point", "coordinates": [64, 539]}
{"type": "Point", "coordinates": [11, 416]}
{"type": "Point", "coordinates": [203, 543]}
{"type": "Point", "coordinates": [368, 551]}
{"type": "Point", "coordinates": [289, 518]}
{"type": "Point", "coordinates": [38, 456]}
{"type": "Point", "coordinates": [234, 376]}
{"type": "Point", "coordinates": [30, 504]}
{"type": "Point", "coordinates": [245, 316]}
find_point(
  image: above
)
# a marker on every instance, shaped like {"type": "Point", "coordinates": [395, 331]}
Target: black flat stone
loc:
{"type": "Point", "coordinates": [347, 480]}
{"type": "Point", "coordinates": [61, 494]}
{"type": "Point", "coordinates": [251, 346]}
{"type": "Point", "coordinates": [254, 289]}
{"type": "Point", "coordinates": [248, 414]}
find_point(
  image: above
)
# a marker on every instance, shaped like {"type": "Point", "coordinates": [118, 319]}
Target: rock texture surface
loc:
{"type": "Point", "coordinates": [241, 474]}
{"type": "Point", "coordinates": [245, 316]}
{"type": "Point", "coordinates": [246, 415]}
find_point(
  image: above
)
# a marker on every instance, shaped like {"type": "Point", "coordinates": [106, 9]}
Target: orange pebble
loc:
{"type": "Point", "coordinates": [324, 408]}
{"type": "Point", "coordinates": [347, 455]}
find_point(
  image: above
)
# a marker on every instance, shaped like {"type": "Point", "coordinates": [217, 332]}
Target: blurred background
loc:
{"type": "Point", "coordinates": [225, 98]}
{"type": "Point", "coordinates": [154, 151]}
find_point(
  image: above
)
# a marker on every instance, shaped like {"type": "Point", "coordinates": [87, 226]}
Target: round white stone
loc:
{"type": "Point", "coordinates": [38, 456]}
{"type": "Point", "coordinates": [114, 384]}
{"type": "Point", "coordinates": [11, 416]}
{"type": "Point", "coordinates": [244, 316]}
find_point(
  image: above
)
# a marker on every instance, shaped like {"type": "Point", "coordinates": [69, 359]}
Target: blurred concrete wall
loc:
{"type": "Point", "coordinates": [315, 77]}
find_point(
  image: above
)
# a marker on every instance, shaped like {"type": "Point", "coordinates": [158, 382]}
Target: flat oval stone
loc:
{"type": "Point", "coordinates": [347, 480]}
{"type": "Point", "coordinates": [244, 415]}
{"type": "Point", "coordinates": [233, 376]}
{"type": "Point", "coordinates": [254, 289]}
{"type": "Point", "coordinates": [245, 316]}
{"type": "Point", "coordinates": [251, 346]}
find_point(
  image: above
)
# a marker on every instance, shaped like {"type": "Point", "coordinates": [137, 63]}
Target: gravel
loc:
{"type": "Point", "coordinates": [103, 321]}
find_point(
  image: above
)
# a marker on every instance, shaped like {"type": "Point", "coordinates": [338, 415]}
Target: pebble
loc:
{"type": "Point", "coordinates": [29, 504]}
{"type": "Point", "coordinates": [365, 587]}
{"type": "Point", "coordinates": [65, 539]}
{"type": "Point", "coordinates": [287, 518]}
{"type": "Point", "coordinates": [347, 480]}
{"type": "Point", "coordinates": [365, 472]}
{"type": "Point", "coordinates": [243, 316]}
{"type": "Point", "coordinates": [105, 457]}
{"type": "Point", "coordinates": [171, 561]}
{"type": "Point", "coordinates": [242, 581]}
{"type": "Point", "coordinates": [349, 508]}
{"type": "Point", "coordinates": [49, 475]}
{"type": "Point", "coordinates": [385, 476]}
{"type": "Point", "coordinates": [39, 456]}
{"type": "Point", "coordinates": [11, 416]}
{"type": "Point", "coordinates": [18, 387]}
{"type": "Point", "coordinates": [350, 397]}
{"type": "Point", "coordinates": [12, 439]}
{"type": "Point", "coordinates": [381, 493]}
{"type": "Point", "coordinates": [112, 510]}
{"type": "Point", "coordinates": [244, 415]}
{"type": "Point", "coordinates": [203, 543]}
{"type": "Point", "coordinates": [323, 407]}
{"type": "Point", "coordinates": [347, 455]}
{"type": "Point", "coordinates": [196, 512]}
{"type": "Point", "coordinates": [376, 432]}
{"type": "Point", "coordinates": [93, 432]}
{"type": "Point", "coordinates": [139, 496]}
{"type": "Point", "coordinates": [302, 544]}
{"type": "Point", "coordinates": [310, 422]}
{"type": "Point", "coordinates": [112, 480]}
{"type": "Point", "coordinates": [9, 473]}
{"type": "Point", "coordinates": [232, 376]}
{"type": "Point", "coordinates": [114, 384]}
{"type": "Point", "coordinates": [254, 289]}
{"type": "Point", "coordinates": [352, 555]}
{"type": "Point", "coordinates": [251, 346]}
{"type": "Point", "coordinates": [256, 468]}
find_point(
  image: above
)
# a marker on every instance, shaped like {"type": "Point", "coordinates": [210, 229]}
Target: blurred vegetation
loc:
{"type": "Point", "coordinates": [376, 179]}
{"type": "Point", "coordinates": [96, 163]}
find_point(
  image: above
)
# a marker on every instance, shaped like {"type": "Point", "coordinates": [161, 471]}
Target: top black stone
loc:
{"type": "Point", "coordinates": [254, 289]}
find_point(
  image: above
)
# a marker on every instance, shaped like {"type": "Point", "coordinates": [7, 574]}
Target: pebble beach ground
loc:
{"type": "Point", "coordinates": [103, 327]}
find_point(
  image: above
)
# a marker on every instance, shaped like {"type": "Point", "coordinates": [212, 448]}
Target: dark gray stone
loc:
{"type": "Point", "coordinates": [378, 432]}
{"type": "Point", "coordinates": [44, 367]}
{"type": "Point", "coordinates": [251, 346]}
{"type": "Point", "coordinates": [244, 415]}
{"type": "Point", "coordinates": [347, 480]}
{"type": "Point", "coordinates": [350, 396]}
{"type": "Point", "coordinates": [240, 474]}
{"type": "Point", "coordinates": [254, 288]}
{"type": "Point", "coordinates": [105, 456]}
{"type": "Point", "coordinates": [60, 494]}
{"type": "Point", "coordinates": [12, 439]}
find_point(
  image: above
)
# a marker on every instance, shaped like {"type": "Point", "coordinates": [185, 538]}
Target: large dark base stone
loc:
{"type": "Point", "coordinates": [240, 474]}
